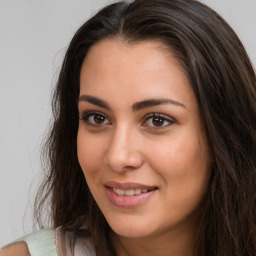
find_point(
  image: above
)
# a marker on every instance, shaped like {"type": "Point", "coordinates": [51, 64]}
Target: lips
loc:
{"type": "Point", "coordinates": [128, 194]}
{"type": "Point", "coordinates": [128, 185]}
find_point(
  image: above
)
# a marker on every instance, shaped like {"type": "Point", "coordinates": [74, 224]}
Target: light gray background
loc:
{"type": "Point", "coordinates": [33, 37]}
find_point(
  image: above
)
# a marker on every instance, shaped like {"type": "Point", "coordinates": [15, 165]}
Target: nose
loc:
{"type": "Point", "coordinates": [124, 152]}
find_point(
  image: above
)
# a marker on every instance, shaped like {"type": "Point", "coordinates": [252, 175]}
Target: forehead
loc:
{"type": "Point", "coordinates": [118, 53]}
{"type": "Point", "coordinates": [142, 70]}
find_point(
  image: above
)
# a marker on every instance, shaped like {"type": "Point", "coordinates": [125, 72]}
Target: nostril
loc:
{"type": "Point", "coordinates": [123, 160]}
{"type": "Point", "coordinates": [129, 168]}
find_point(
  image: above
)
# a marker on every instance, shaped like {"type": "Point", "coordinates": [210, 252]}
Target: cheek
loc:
{"type": "Point", "coordinates": [183, 163]}
{"type": "Point", "coordinates": [185, 172]}
{"type": "Point", "coordinates": [89, 153]}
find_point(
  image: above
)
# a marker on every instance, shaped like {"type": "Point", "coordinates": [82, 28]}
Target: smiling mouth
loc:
{"type": "Point", "coordinates": [130, 192]}
{"type": "Point", "coordinates": [129, 195]}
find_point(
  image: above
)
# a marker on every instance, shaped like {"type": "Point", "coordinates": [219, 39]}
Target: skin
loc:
{"type": "Point", "coordinates": [19, 249]}
{"type": "Point", "coordinates": [129, 145]}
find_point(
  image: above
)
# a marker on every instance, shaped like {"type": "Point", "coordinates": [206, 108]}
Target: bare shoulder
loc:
{"type": "Point", "coordinates": [16, 249]}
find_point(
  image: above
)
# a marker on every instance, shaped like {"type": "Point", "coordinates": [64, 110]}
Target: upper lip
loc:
{"type": "Point", "coordinates": [128, 185]}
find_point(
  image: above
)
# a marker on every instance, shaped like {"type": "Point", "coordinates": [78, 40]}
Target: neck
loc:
{"type": "Point", "coordinates": [177, 241]}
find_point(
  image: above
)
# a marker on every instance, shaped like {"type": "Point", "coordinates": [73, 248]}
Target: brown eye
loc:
{"type": "Point", "coordinates": [157, 121]}
{"type": "Point", "coordinates": [99, 119]}
{"type": "Point", "coordinates": [94, 118]}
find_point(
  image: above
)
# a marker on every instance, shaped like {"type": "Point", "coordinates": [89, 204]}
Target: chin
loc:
{"type": "Point", "coordinates": [131, 232]}
{"type": "Point", "coordinates": [131, 229]}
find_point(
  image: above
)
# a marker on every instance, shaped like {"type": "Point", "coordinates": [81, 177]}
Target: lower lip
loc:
{"type": "Point", "coordinates": [128, 201]}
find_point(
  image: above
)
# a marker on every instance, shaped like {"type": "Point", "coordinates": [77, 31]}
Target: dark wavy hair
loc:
{"type": "Point", "coordinates": [224, 83]}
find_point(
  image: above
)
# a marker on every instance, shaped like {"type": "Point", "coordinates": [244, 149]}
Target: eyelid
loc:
{"type": "Point", "coordinates": [86, 115]}
{"type": "Point", "coordinates": [165, 117]}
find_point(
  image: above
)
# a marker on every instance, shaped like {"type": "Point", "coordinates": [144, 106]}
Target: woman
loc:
{"type": "Point", "coordinates": [152, 150]}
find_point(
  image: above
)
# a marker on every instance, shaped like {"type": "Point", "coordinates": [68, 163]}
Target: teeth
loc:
{"type": "Point", "coordinates": [129, 192]}
{"type": "Point", "coordinates": [120, 192]}
{"type": "Point", "coordinates": [137, 191]}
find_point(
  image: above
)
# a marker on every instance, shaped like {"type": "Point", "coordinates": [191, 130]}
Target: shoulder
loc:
{"type": "Point", "coordinates": [16, 249]}
{"type": "Point", "coordinates": [39, 243]}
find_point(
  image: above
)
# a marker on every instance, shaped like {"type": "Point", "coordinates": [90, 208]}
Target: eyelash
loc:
{"type": "Point", "coordinates": [167, 121]}
{"type": "Point", "coordinates": [158, 116]}
{"type": "Point", "coordinates": [86, 118]}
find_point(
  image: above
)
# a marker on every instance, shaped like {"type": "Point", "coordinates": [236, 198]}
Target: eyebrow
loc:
{"type": "Point", "coordinates": [94, 101]}
{"type": "Point", "coordinates": [154, 102]}
{"type": "Point", "coordinates": [136, 106]}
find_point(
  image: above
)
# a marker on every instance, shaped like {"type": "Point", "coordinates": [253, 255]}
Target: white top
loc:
{"type": "Point", "coordinates": [50, 242]}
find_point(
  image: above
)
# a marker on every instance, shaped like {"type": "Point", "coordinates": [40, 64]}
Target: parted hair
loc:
{"type": "Point", "coordinates": [224, 83]}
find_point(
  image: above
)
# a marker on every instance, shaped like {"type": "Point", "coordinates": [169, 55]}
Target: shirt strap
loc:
{"type": "Point", "coordinates": [41, 243]}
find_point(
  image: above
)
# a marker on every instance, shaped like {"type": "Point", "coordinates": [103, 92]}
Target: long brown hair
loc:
{"type": "Point", "coordinates": [224, 83]}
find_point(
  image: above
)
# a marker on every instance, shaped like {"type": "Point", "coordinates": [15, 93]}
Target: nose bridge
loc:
{"type": "Point", "coordinates": [123, 152]}
{"type": "Point", "coordinates": [121, 136]}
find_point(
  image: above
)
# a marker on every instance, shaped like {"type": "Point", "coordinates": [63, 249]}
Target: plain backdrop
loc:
{"type": "Point", "coordinates": [33, 38]}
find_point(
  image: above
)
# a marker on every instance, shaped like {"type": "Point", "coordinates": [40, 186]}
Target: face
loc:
{"type": "Point", "coordinates": [141, 143]}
